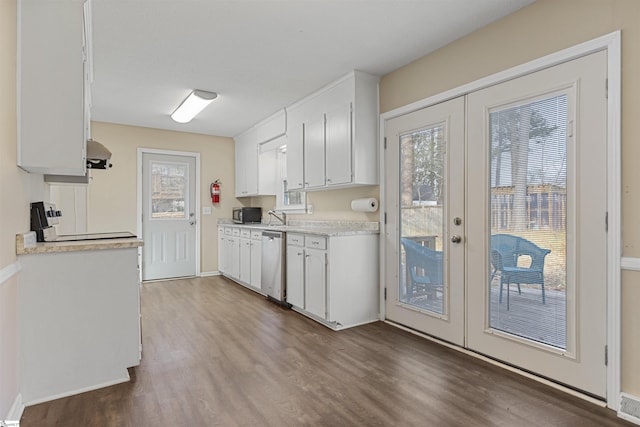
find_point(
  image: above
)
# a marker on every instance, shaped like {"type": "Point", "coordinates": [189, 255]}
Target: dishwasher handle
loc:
{"type": "Point", "coordinates": [272, 234]}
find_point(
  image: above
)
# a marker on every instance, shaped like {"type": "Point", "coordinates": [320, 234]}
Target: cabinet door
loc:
{"type": "Point", "coordinates": [246, 163]}
{"type": "Point", "coordinates": [338, 145]}
{"type": "Point", "coordinates": [295, 276]}
{"type": "Point", "coordinates": [233, 259]}
{"type": "Point", "coordinates": [315, 282]}
{"type": "Point", "coordinates": [222, 251]}
{"type": "Point", "coordinates": [256, 263]}
{"type": "Point", "coordinates": [295, 151]}
{"type": "Point", "coordinates": [245, 260]}
{"type": "Point", "coordinates": [51, 100]}
{"type": "Point", "coordinates": [314, 153]}
{"type": "Point", "coordinates": [250, 166]}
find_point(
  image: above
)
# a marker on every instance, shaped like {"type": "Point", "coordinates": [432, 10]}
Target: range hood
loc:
{"type": "Point", "coordinates": [98, 157]}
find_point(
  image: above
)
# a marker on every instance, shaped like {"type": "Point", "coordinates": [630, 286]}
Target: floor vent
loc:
{"type": "Point", "coordinates": [629, 408]}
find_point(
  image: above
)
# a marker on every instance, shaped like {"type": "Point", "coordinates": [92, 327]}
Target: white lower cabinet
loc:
{"type": "Point", "coordinates": [233, 257]}
{"type": "Point", "coordinates": [334, 279]}
{"type": "Point", "coordinates": [315, 282]}
{"type": "Point", "coordinates": [240, 255]}
{"type": "Point", "coordinates": [245, 260]}
{"type": "Point", "coordinates": [222, 251]}
{"type": "Point", "coordinates": [256, 259]}
{"type": "Point", "coordinates": [295, 270]}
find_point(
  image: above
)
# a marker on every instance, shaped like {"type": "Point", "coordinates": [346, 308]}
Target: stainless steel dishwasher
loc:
{"type": "Point", "coordinates": [273, 265]}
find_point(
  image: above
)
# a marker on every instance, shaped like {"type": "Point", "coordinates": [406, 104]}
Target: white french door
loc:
{"type": "Point", "coordinates": [496, 210]}
{"type": "Point", "coordinates": [168, 216]}
{"type": "Point", "coordinates": [545, 183]}
{"type": "Point", "coordinates": [425, 202]}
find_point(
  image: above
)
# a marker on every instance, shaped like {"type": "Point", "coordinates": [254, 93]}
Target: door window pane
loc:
{"type": "Point", "coordinates": [528, 220]}
{"type": "Point", "coordinates": [168, 190]}
{"type": "Point", "coordinates": [422, 201]}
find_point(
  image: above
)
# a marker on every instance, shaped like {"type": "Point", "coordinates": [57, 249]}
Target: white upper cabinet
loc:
{"type": "Point", "coordinates": [246, 164]}
{"type": "Point", "coordinates": [256, 166]}
{"type": "Point", "coordinates": [333, 136]}
{"type": "Point", "coordinates": [295, 149]}
{"type": "Point", "coordinates": [53, 86]}
{"type": "Point", "coordinates": [314, 166]}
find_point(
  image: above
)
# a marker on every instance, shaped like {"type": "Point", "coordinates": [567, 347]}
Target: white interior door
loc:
{"type": "Point", "coordinates": [539, 176]}
{"type": "Point", "coordinates": [168, 216]}
{"type": "Point", "coordinates": [425, 207]}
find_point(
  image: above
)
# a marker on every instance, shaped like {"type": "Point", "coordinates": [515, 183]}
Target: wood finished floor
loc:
{"type": "Point", "coordinates": [216, 354]}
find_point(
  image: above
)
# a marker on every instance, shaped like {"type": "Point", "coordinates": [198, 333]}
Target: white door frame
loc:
{"type": "Point", "coordinates": [612, 44]}
{"type": "Point", "coordinates": [194, 155]}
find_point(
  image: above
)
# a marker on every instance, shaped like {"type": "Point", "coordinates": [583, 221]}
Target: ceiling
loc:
{"type": "Point", "coordinates": [258, 55]}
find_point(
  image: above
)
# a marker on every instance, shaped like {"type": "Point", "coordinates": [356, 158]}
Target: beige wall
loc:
{"type": "Point", "coordinates": [14, 212]}
{"type": "Point", "coordinates": [544, 27]}
{"type": "Point", "coordinates": [113, 193]}
{"type": "Point", "coordinates": [329, 205]}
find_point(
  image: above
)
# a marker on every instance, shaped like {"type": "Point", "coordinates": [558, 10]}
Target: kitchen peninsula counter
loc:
{"type": "Point", "coordinates": [79, 312]}
{"type": "Point", "coordinates": [77, 245]}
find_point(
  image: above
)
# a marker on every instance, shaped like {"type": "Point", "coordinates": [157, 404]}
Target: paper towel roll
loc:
{"type": "Point", "coordinates": [364, 205]}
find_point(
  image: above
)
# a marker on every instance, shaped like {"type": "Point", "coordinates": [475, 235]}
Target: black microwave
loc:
{"type": "Point", "coordinates": [247, 215]}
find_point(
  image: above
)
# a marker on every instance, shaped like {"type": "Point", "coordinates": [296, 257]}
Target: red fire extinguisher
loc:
{"type": "Point", "coordinates": [215, 191]}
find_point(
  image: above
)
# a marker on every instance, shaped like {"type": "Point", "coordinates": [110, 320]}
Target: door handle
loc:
{"type": "Point", "coordinates": [456, 239]}
{"type": "Point", "coordinates": [192, 223]}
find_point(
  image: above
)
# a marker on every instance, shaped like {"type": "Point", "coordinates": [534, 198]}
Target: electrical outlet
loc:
{"type": "Point", "coordinates": [206, 210]}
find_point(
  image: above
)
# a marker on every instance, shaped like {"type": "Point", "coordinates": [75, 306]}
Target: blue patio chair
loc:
{"type": "Point", "coordinates": [505, 251]}
{"type": "Point", "coordinates": [424, 267]}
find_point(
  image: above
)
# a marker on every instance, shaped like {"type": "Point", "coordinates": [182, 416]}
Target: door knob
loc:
{"type": "Point", "coordinates": [456, 239]}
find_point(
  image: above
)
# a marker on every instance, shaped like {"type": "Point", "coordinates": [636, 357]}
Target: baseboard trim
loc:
{"type": "Point", "coordinates": [209, 273]}
{"type": "Point", "coordinates": [9, 271]}
{"type": "Point", "coordinates": [16, 410]}
{"type": "Point", "coordinates": [628, 263]}
{"type": "Point", "coordinates": [510, 368]}
{"type": "Point", "coordinates": [80, 390]}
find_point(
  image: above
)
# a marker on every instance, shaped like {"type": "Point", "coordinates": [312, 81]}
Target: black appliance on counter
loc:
{"type": "Point", "coordinates": [45, 215]}
{"type": "Point", "coordinates": [247, 215]}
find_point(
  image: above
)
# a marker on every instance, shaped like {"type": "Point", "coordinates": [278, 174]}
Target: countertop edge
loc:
{"type": "Point", "coordinates": [340, 229]}
{"type": "Point", "coordinates": [76, 246]}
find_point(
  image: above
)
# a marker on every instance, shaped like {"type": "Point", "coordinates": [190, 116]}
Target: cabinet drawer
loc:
{"type": "Point", "coordinates": [295, 239]}
{"type": "Point", "coordinates": [220, 231]}
{"type": "Point", "coordinates": [316, 242]}
{"type": "Point", "coordinates": [256, 234]}
{"type": "Point", "coordinates": [228, 231]}
{"type": "Point", "coordinates": [235, 231]}
{"type": "Point", "coordinates": [245, 233]}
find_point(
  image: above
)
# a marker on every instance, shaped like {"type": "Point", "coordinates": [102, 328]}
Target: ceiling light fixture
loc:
{"type": "Point", "coordinates": [192, 105]}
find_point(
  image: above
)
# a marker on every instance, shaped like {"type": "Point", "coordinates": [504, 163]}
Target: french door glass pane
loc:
{"type": "Point", "coordinates": [422, 200]}
{"type": "Point", "coordinates": [168, 190]}
{"type": "Point", "coordinates": [529, 220]}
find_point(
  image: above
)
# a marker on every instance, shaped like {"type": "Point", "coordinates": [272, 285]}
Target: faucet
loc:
{"type": "Point", "coordinates": [282, 219]}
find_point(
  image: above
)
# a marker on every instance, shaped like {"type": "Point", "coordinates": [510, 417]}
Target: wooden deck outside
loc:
{"type": "Point", "coordinates": [526, 317]}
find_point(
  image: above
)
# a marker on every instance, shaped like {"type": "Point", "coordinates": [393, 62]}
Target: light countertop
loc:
{"type": "Point", "coordinates": [322, 228]}
{"type": "Point", "coordinates": [80, 245]}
